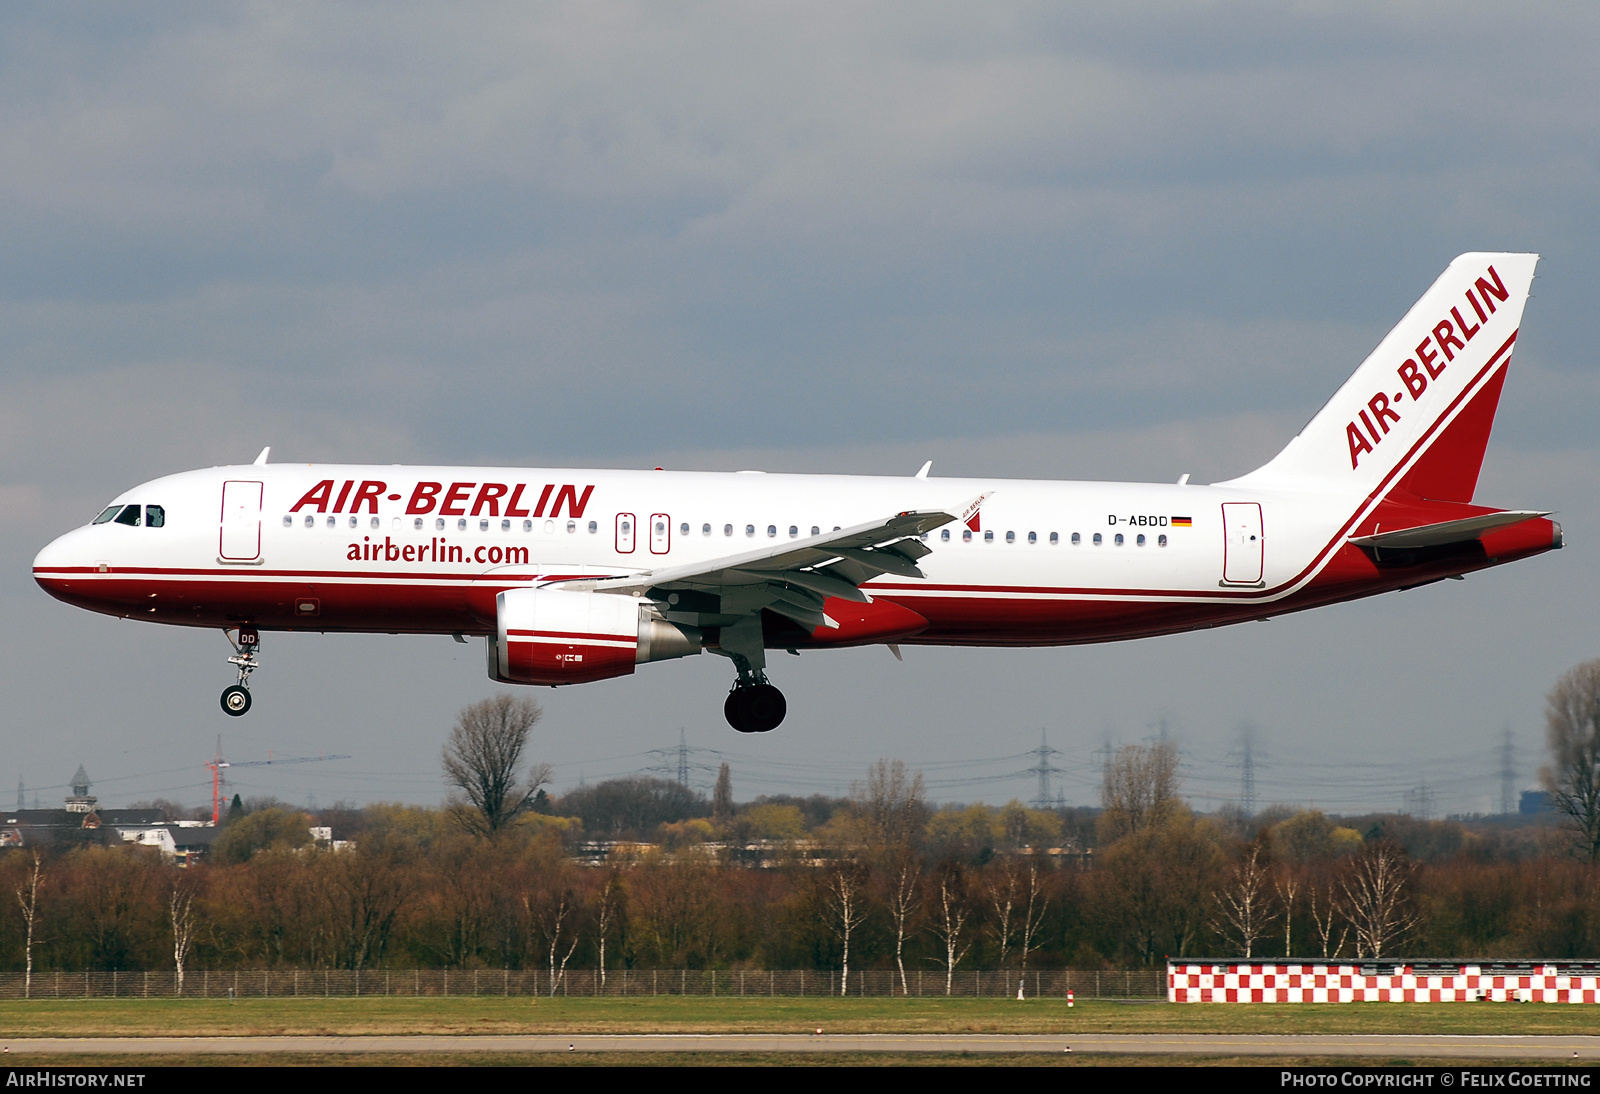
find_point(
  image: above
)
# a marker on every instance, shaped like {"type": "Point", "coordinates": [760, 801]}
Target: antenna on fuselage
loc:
{"type": "Point", "coordinates": [261, 460]}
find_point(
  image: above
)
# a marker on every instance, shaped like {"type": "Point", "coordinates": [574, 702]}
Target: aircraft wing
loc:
{"type": "Point", "coordinates": [793, 578]}
{"type": "Point", "coordinates": [1446, 532]}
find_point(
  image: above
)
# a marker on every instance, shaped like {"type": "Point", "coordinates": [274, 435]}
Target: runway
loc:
{"type": "Point", "coordinates": [1346, 1046]}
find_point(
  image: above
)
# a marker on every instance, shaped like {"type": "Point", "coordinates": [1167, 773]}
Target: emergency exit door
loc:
{"type": "Point", "coordinates": [1243, 545]}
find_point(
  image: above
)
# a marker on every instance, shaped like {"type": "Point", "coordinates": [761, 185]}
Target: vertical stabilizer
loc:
{"type": "Point", "coordinates": [1416, 415]}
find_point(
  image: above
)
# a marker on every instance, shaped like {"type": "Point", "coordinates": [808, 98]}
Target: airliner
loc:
{"type": "Point", "coordinates": [571, 576]}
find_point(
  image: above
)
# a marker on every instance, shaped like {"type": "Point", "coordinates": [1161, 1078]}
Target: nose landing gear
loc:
{"type": "Point", "coordinates": [236, 699]}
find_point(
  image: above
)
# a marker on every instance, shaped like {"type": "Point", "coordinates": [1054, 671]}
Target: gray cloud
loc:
{"type": "Point", "coordinates": [1021, 239]}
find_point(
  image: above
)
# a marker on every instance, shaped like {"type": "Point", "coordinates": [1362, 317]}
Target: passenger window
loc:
{"type": "Point", "coordinates": [988, 537]}
{"type": "Point", "coordinates": [438, 524]}
{"type": "Point", "coordinates": [572, 526]}
{"type": "Point", "coordinates": [417, 524]}
{"type": "Point", "coordinates": [816, 531]}
{"type": "Point", "coordinates": [461, 525]}
{"type": "Point", "coordinates": [155, 516]}
{"type": "Point", "coordinates": [793, 531]}
{"type": "Point", "coordinates": [288, 521]}
{"type": "Point", "coordinates": [333, 522]}
{"type": "Point", "coordinates": [527, 525]}
{"type": "Point", "coordinates": [1161, 541]}
{"type": "Point", "coordinates": [505, 526]}
{"type": "Point", "coordinates": [1097, 540]}
{"type": "Point", "coordinates": [129, 516]}
{"type": "Point", "coordinates": [727, 529]}
{"type": "Point", "coordinates": [1119, 539]}
{"type": "Point", "coordinates": [1140, 540]}
{"type": "Point", "coordinates": [1076, 539]}
{"type": "Point", "coordinates": [594, 526]}
{"type": "Point", "coordinates": [483, 525]}
{"type": "Point", "coordinates": [105, 517]}
{"type": "Point", "coordinates": [353, 521]}
{"type": "Point", "coordinates": [772, 530]}
{"type": "Point", "coordinates": [375, 522]}
{"type": "Point", "coordinates": [1055, 539]}
{"type": "Point", "coordinates": [683, 529]}
{"type": "Point", "coordinates": [310, 520]}
{"type": "Point", "coordinates": [749, 529]}
{"type": "Point", "coordinates": [549, 527]}
{"type": "Point", "coordinates": [705, 529]}
{"type": "Point", "coordinates": [1011, 537]}
{"type": "Point", "coordinates": [966, 535]}
{"type": "Point", "coordinates": [1033, 537]}
{"type": "Point", "coordinates": [945, 535]}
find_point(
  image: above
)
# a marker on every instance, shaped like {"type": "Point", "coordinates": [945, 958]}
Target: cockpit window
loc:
{"type": "Point", "coordinates": [107, 515]}
{"type": "Point", "coordinates": [154, 516]}
{"type": "Point", "coordinates": [128, 516]}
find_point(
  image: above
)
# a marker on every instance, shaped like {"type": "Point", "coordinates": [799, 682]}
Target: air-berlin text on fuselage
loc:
{"type": "Point", "coordinates": [456, 499]}
{"type": "Point", "coordinates": [435, 550]}
{"type": "Point", "coordinates": [1450, 334]}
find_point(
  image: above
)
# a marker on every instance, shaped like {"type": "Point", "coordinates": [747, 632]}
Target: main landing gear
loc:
{"type": "Point", "coordinates": [754, 706]}
{"type": "Point", "coordinates": [236, 699]}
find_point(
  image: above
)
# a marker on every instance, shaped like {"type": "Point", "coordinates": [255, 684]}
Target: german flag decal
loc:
{"type": "Point", "coordinates": [1182, 522]}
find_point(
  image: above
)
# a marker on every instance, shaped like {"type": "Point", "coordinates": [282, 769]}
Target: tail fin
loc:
{"type": "Point", "coordinates": [1416, 415]}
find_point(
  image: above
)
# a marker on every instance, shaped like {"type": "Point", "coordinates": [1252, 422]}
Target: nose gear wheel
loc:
{"type": "Point", "coordinates": [236, 699]}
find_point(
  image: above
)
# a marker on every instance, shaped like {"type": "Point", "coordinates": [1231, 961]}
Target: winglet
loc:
{"type": "Point", "coordinates": [261, 460]}
{"type": "Point", "coordinates": [925, 469]}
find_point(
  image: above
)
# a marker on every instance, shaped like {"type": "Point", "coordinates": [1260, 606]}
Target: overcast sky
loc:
{"type": "Point", "coordinates": [1096, 241]}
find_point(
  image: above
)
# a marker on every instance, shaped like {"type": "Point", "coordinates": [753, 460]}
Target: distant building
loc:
{"type": "Point", "coordinates": [80, 822]}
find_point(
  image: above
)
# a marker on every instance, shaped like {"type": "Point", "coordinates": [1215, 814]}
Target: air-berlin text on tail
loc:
{"type": "Point", "coordinates": [1433, 354]}
{"type": "Point", "coordinates": [456, 499]}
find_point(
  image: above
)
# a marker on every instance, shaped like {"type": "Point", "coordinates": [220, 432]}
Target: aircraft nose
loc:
{"type": "Point", "coordinates": [60, 559]}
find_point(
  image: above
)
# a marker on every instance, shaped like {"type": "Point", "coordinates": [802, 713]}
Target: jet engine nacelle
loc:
{"type": "Point", "coordinates": [557, 636]}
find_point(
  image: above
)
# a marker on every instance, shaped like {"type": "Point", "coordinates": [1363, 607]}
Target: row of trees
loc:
{"type": "Point", "coordinates": [880, 879]}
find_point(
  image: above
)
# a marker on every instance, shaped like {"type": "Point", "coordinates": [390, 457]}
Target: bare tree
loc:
{"type": "Point", "coordinates": [552, 917]}
{"type": "Point", "coordinates": [893, 803]}
{"type": "Point", "coordinates": [482, 758]}
{"type": "Point", "coordinates": [1033, 914]}
{"type": "Point", "coordinates": [1572, 731]}
{"type": "Point", "coordinates": [1140, 790]}
{"type": "Point", "coordinates": [1003, 893]}
{"type": "Point", "coordinates": [1287, 884]}
{"type": "Point", "coordinates": [1326, 920]}
{"type": "Point", "coordinates": [904, 899]}
{"type": "Point", "coordinates": [28, 897]}
{"type": "Point", "coordinates": [846, 886]}
{"type": "Point", "coordinates": [180, 905]}
{"type": "Point", "coordinates": [950, 914]}
{"type": "Point", "coordinates": [1373, 898]}
{"type": "Point", "coordinates": [1243, 901]}
{"type": "Point", "coordinates": [607, 907]}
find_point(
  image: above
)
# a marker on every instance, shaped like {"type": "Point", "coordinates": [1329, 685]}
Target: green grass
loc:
{"type": "Point", "coordinates": [674, 1014]}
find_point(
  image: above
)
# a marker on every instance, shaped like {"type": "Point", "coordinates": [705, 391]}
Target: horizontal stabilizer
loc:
{"type": "Point", "coordinates": [1446, 532]}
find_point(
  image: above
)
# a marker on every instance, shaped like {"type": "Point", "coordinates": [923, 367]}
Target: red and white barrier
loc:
{"type": "Point", "coordinates": [1196, 983]}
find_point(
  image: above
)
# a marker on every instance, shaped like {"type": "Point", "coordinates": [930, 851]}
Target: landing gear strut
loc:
{"type": "Point", "coordinates": [236, 699]}
{"type": "Point", "coordinates": [753, 706]}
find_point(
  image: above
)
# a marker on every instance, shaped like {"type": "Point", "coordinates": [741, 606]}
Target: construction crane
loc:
{"type": "Point", "coordinates": [218, 763]}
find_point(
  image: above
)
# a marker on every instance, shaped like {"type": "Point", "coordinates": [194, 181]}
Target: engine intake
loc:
{"type": "Point", "coordinates": [556, 636]}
